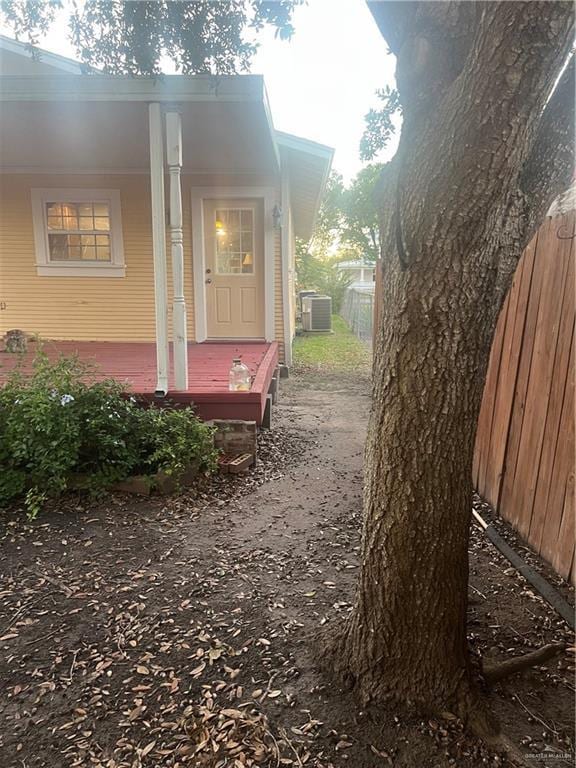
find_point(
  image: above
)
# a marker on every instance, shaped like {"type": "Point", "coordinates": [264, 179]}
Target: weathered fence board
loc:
{"type": "Point", "coordinates": [524, 456]}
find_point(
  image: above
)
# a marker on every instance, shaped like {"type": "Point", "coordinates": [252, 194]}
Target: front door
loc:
{"type": "Point", "coordinates": [234, 266]}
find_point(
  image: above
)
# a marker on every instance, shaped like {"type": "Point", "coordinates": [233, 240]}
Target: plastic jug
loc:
{"type": "Point", "coordinates": [239, 377]}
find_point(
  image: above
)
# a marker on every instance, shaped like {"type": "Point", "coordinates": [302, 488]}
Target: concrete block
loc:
{"type": "Point", "coordinates": [267, 417]}
{"type": "Point", "coordinates": [273, 390]}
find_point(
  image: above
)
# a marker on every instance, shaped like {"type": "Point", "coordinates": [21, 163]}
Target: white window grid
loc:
{"type": "Point", "coordinates": [245, 235]}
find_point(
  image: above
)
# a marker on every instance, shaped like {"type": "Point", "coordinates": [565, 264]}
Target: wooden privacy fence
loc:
{"type": "Point", "coordinates": [524, 455]}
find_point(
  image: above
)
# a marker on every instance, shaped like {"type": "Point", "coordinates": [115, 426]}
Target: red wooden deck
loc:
{"type": "Point", "coordinates": [134, 363]}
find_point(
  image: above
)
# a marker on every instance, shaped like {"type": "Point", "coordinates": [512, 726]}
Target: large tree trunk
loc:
{"type": "Point", "coordinates": [461, 198]}
{"type": "Point", "coordinates": [407, 636]}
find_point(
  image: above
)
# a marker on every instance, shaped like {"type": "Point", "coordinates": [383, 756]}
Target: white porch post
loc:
{"type": "Point", "coordinates": [159, 246]}
{"type": "Point", "coordinates": [174, 157]}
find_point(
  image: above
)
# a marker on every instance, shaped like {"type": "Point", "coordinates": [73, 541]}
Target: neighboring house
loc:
{"type": "Point", "coordinates": [359, 272]}
{"type": "Point", "coordinates": [150, 210]}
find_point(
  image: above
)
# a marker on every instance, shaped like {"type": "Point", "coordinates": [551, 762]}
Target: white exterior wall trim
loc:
{"type": "Point", "coordinates": [286, 254]}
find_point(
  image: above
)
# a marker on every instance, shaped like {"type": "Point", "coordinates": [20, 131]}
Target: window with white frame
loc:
{"type": "Point", "coordinates": [78, 232]}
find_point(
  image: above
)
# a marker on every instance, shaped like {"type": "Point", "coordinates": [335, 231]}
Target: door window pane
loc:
{"type": "Point", "coordinates": [234, 234]}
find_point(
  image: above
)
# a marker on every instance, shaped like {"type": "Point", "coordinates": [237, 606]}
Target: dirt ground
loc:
{"type": "Point", "coordinates": [181, 632]}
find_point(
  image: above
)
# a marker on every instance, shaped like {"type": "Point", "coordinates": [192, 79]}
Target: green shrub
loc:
{"type": "Point", "coordinates": [58, 424]}
{"type": "Point", "coordinates": [170, 440]}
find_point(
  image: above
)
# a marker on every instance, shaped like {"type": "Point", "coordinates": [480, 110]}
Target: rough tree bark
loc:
{"type": "Point", "coordinates": [460, 200]}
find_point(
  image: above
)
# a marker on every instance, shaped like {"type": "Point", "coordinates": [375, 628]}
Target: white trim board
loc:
{"type": "Point", "coordinates": [285, 254]}
{"type": "Point", "coordinates": [116, 171]}
{"type": "Point", "coordinates": [198, 195]}
{"type": "Point", "coordinates": [165, 88]}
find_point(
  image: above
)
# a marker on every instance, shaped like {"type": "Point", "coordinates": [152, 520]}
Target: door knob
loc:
{"type": "Point", "coordinates": [208, 281]}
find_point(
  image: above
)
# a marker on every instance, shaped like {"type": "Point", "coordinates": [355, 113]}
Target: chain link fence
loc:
{"type": "Point", "coordinates": [358, 311]}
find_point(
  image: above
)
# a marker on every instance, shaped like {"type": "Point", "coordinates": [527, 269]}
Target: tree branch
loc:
{"type": "Point", "coordinates": [549, 167]}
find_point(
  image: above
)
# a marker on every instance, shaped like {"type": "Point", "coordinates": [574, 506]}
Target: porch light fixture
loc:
{"type": "Point", "coordinates": [277, 216]}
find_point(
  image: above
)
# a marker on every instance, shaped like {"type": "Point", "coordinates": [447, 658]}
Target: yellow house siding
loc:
{"type": "Point", "coordinates": [82, 308]}
{"type": "Point", "coordinates": [95, 308]}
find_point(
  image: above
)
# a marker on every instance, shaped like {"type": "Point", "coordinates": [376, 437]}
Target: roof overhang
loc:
{"type": "Point", "coordinates": [55, 119]}
{"type": "Point", "coordinates": [75, 123]}
{"type": "Point", "coordinates": [307, 165]}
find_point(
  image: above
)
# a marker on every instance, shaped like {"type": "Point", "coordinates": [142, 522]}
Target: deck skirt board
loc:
{"type": "Point", "coordinates": [134, 363]}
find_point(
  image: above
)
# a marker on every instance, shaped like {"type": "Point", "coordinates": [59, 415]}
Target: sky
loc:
{"type": "Point", "coordinates": [322, 82]}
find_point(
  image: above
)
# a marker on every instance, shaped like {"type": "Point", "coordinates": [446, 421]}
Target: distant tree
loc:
{"type": "Point", "coordinates": [314, 273]}
{"type": "Point", "coordinates": [360, 228]}
{"type": "Point", "coordinates": [348, 220]}
{"type": "Point", "coordinates": [329, 221]}
{"type": "Point", "coordinates": [309, 268]}
{"type": "Point", "coordinates": [199, 36]}
{"type": "Point", "coordinates": [347, 228]}
{"type": "Point", "coordinates": [335, 284]}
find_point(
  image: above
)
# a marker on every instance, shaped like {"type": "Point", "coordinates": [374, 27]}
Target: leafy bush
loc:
{"type": "Point", "coordinates": [58, 424]}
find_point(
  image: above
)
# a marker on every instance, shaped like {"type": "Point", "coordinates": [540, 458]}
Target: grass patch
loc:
{"type": "Point", "coordinates": [338, 351]}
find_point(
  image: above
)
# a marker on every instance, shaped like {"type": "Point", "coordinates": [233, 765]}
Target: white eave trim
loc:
{"type": "Point", "coordinates": [42, 56]}
{"type": "Point", "coordinates": [305, 145]}
{"type": "Point", "coordinates": [165, 88]}
{"type": "Point", "coordinates": [271, 129]}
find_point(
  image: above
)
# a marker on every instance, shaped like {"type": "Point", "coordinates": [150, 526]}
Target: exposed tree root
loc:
{"type": "Point", "coordinates": [482, 724]}
{"type": "Point", "coordinates": [470, 706]}
{"type": "Point", "coordinates": [494, 672]}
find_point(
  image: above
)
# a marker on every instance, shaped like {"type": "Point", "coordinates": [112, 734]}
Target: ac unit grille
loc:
{"type": "Point", "coordinates": [317, 313]}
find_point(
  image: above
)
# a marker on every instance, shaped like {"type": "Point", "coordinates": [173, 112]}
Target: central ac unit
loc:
{"type": "Point", "coordinates": [302, 295]}
{"type": "Point", "coordinates": [317, 313]}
